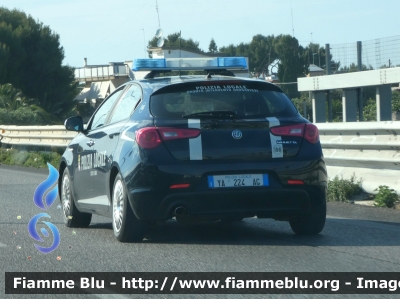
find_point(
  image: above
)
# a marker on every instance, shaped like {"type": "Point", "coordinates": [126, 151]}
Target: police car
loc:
{"type": "Point", "coordinates": [206, 147]}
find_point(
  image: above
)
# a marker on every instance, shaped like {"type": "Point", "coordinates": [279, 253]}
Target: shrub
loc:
{"type": "Point", "coordinates": [29, 159]}
{"type": "Point", "coordinates": [21, 117]}
{"type": "Point", "coordinates": [28, 116]}
{"type": "Point", "coordinates": [342, 190]}
{"type": "Point", "coordinates": [386, 197]}
{"type": "Point", "coordinates": [369, 110]}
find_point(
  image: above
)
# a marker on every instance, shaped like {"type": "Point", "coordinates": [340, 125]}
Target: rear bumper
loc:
{"type": "Point", "coordinates": [216, 204]}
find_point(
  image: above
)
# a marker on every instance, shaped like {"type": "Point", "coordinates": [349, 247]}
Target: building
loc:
{"type": "Point", "coordinates": [315, 71]}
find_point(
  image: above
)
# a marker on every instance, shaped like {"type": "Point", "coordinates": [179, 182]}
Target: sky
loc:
{"type": "Point", "coordinates": [106, 31]}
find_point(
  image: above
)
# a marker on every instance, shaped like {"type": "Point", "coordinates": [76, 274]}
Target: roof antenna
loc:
{"type": "Point", "coordinates": [158, 14]}
{"type": "Point", "coordinates": [291, 10]}
{"type": "Point", "coordinates": [159, 32]}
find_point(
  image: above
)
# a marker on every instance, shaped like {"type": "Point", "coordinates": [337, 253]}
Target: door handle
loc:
{"type": "Point", "coordinates": [113, 134]}
{"type": "Point", "coordinates": [90, 142]}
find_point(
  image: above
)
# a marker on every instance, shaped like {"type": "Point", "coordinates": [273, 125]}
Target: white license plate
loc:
{"type": "Point", "coordinates": [238, 180]}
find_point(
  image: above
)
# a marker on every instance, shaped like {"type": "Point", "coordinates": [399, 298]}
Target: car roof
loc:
{"type": "Point", "coordinates": [151, 85]}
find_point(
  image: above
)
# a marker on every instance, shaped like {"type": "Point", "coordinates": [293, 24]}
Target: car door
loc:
{"type": "Point", "coordinates": [109, 136]}
{"type": "Point", "coordinates": [87, 190]}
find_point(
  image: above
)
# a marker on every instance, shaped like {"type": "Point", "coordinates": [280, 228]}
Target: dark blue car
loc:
{"type": "Point", "coordinates": [194, 147]}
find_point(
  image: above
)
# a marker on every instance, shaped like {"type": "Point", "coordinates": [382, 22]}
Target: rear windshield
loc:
{"type": "Point", "coordinates": [247, 99]}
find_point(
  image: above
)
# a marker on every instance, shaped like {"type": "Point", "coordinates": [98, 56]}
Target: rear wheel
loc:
{"type": "Point", "coordinates": [72, 216]}
{"type": "Point", "coordinates": [126, 226]}
{"type": "Point", "coordinates": [311, 223]}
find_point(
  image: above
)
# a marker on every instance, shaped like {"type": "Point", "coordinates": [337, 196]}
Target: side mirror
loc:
{"type": "Point", "coordinates": [74, 123]}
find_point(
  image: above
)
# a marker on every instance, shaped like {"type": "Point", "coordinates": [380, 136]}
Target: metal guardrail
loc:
{"type": "Point", "coordinates": [370, 150]}
{"type": "Point", "coordinates": [43, 136]}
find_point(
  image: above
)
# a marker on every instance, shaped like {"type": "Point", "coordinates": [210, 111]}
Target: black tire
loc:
{"type": "Point", "coordinates": [72, 216]}
{"type": "Point", "coordinates": [126, 226]}
{"type": "Point", "coordinates": [311, 223]}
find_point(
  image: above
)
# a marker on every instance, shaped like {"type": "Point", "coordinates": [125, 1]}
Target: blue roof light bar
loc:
{"type": "Point", "coordinates": [139, 64]}
{"type": "Point", "coordinates": [189, 64]}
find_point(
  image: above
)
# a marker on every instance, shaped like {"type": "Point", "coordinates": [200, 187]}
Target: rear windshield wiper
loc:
{"type": "Point", "coordinates": [212, 114]}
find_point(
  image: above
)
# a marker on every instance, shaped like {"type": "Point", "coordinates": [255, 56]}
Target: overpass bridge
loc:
{"type": "Point", "coordinates": [351, 85]}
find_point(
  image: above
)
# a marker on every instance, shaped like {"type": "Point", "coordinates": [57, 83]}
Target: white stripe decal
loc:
{"type": "Point", "coordinates": [195, 146]}
{"type": "Point", "coordinates": [276, 145]}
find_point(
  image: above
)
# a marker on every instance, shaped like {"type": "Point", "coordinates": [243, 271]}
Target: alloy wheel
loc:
{"type": "Point", "coordinates": [66, 196]}
{"type": "Point", "coordinates": [118, 205]}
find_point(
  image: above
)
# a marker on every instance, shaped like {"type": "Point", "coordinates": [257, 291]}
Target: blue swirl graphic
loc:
{"type": "Point", "coordinates": [43, 187]}
{"type": "Point", "coordinates": [44, 232]}
{"type": "Point", "coordinates": [32, 231]}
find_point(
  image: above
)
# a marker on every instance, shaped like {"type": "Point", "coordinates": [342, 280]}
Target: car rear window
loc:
{"type": "Point", "coordinates": [248, 99]}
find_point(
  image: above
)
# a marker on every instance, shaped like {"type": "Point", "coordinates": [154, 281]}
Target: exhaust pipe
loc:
{"type": "Point", "coordinates": [180, 211]}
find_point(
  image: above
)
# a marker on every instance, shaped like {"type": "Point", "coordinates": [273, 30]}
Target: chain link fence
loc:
{"type": "Point", "coordinates": [376, 54]}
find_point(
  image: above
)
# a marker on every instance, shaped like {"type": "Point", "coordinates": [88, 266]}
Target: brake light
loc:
{"type": "Point", "coordinates": [148, 138]}
{"type": "Point", "coordinates": [307, 131]}
{"type": "Point", "coordinates": [151, 137]}
{"type": "Point", "coordinates": [175, 133]}
{"type": "Point", "coordinates": [179, 186]}
{"type": "Point", "coordinates": [295, 182]}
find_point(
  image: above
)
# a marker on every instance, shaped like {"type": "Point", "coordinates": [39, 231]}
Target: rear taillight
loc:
{"type": "Point", "coordinates": [293, 130]}
{"type": "Point", "coordinates": [148, 138]}
{"type": "Point", "coordinates": [174, 133]}
{"type": "Point", "coordinates": [311, 134]}
{"type": "Point", "coordinates": [152, 137]}
{"type": "Point", "coordinates": [307, 131]}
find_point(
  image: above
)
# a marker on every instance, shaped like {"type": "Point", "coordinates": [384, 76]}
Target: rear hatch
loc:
{"type": "Point", "coordinates": [227, 120]}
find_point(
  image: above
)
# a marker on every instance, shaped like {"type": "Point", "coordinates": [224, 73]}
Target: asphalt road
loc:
{"type": "Point", "coordinates": [356, 238]}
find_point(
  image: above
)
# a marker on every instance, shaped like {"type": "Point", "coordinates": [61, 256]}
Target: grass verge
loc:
{"type": "Point", "coordinates": [29, 159]}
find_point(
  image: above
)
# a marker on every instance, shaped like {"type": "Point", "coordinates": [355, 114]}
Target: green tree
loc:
{"type": "Point", "coordinates": [369, 110]}
{"type": "Point", "coordinates": [11, 98]}
{"type": "Point", "coordinates": [395, 101]}
{"type": "Point", "coordinates": [354, 68]}
{"type": "Point", "coordinates": [292, 63]}
{"type": "Point", "coordinates": [260, 51]}
{"type": "Point", "coordinates": [31, 60]}
{"type": "Point", "coordinates": [337, 107]}
{"type": "Point", "coordinates": [228, 50]}
{"type": "Point", "coordinates": [212, 47]}
{"type": "Point", "coordinates": [17, 109]}
{"type": "Point", "coordinates": [299, 103]}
